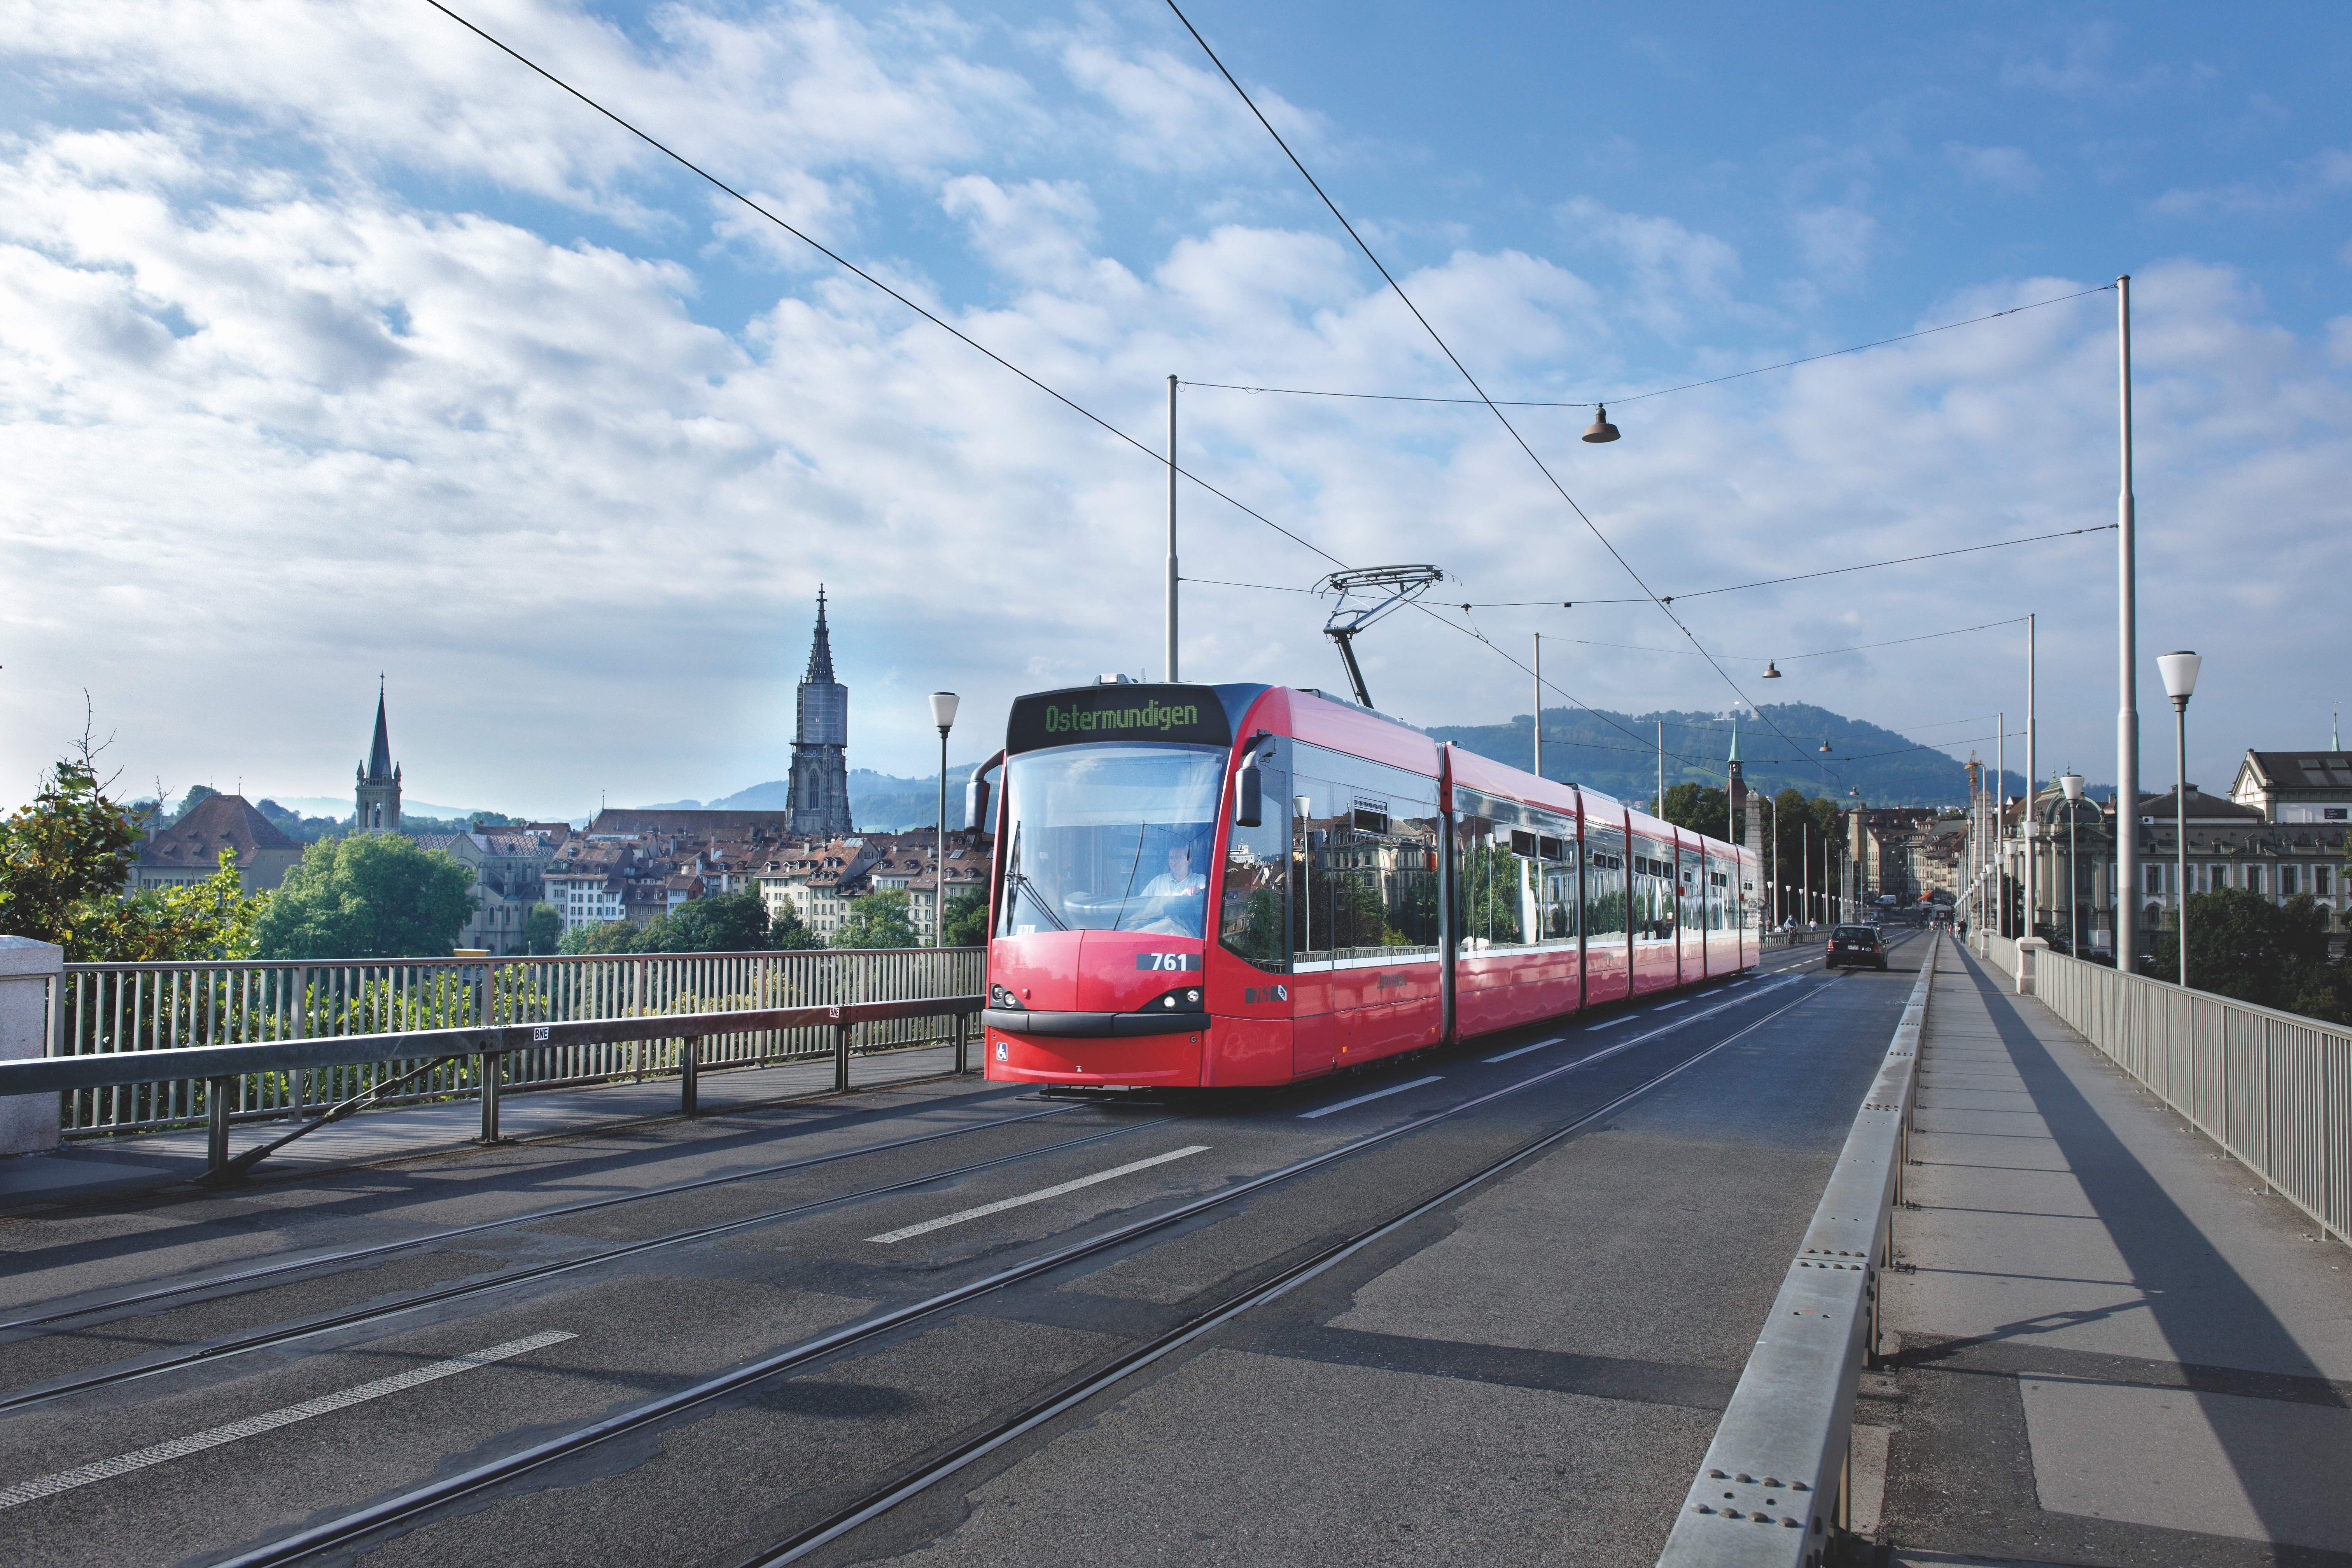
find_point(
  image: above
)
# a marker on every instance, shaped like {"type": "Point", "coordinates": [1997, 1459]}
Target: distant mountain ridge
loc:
{"type": "Point", "coordinates": [878, 803]}
{"type": "Point", "coordinates": [1616, 753]}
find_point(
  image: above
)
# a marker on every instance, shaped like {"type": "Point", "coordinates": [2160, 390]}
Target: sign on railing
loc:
{"type": "Point", "coordinates": [106, 1007]}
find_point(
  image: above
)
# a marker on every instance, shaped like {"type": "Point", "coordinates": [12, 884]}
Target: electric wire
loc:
{"type": "Point", "coordinates": [1802, 576]}
{"type": "Point", "coordinates": [1792, 657]}
{"type": "Point", "coordinates": [960, 336]}
{"type": "Point", "coordinates": [859, 272]}
{"type": "Point", "coordinates": [1444, 347]}
{"type": "Point", "coordinates": [1661, 392]}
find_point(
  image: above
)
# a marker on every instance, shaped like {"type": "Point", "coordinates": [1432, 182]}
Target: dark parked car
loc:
{"type": "Point", "coordinates": [1856, 947]}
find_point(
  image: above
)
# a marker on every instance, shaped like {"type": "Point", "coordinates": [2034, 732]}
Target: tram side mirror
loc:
{"type": "Point", "coordinates": [1249, 793]}
{"type": "Point", "coordinates": [976, 802]}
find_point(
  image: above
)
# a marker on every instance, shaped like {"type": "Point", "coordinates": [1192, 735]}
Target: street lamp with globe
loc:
{"type": "Point", "coordinates": [2072, 783]}
{"type": "Point", "coordinates": [2181, 680]}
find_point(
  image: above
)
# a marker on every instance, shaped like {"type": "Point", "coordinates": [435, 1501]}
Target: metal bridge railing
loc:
{"type": "Point", "coordinates": [2273, 1089]}
{"type": "Point", "coordinates": [104, 1008]}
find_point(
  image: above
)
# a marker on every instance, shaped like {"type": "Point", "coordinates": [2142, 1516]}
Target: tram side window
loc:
{"type": "Point", "coordinates": [1251, 908]}
{"type": "Point", "coordinates": [1364, 879]}
{"type": "Point", "coordinates": [1653, 890]}
{"type": "Point", "coordinates": [1490, 885]}
{"type": "Point", "coordinates": [1604, 882]}
{"type": "Point", "coordinates": [1515, 873]}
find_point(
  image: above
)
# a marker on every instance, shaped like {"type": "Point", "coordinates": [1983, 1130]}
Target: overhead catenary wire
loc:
{"type": "Point", "coordinates": [1803, 576]}
{"type": "Point", "coordinates": [1727, 588]}
{"type": "Point", "coordinates": [1456, 361]}
{"type": "Point", "coordinates": [1623, 398]}
{"type": "Point", "coordinates": [856, 271]}
{"type": "Point", "coordinates": [1793, 658]}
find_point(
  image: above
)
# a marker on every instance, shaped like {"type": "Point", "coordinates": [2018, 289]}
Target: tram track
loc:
{"type": "Point", "coordinates": [394, 1514]}
{"type": "Point", "coordinates": [213, 1287]}
{"type": "Point", "coordinates": [223, 1286]}
{"type": "Point", "coordinates": [217, 1351]}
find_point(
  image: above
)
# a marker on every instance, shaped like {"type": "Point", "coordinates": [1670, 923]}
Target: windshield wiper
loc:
{"type": "Point", "coordinates": [1022, 883]}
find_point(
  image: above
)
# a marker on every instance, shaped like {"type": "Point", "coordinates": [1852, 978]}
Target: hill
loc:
{"type": "Point", "coordinates": [1617, 753]}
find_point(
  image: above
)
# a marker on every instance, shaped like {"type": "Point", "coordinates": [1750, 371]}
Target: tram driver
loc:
{"type": "Point", "coordinates": [1179, 895]}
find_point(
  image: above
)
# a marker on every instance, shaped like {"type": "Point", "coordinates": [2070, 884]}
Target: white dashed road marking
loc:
{"type": "Point", "coordinates": [1038, 1196]}
{"type": "Point", "coordinates": [253, 1425]}
{"type": "Point", "coordinates": [1362, 1098]}
{"type": "Point", "coordinates": [1523, 1050]}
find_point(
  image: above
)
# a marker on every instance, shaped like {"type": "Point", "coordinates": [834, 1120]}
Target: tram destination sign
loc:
{"type": "Point", "coordinates": [1186, 714]}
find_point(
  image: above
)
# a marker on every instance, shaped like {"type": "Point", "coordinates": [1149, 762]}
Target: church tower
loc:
{"type": "Point", "coordinates": [378, 789]}
{"type": "Point", "coordinates": [819, 801]}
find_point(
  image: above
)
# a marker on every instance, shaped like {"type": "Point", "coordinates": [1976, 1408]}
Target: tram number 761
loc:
{"type": "Point", "coordinates": [1170, 961]}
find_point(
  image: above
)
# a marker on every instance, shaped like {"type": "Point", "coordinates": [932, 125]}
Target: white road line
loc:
{"type": "Point", "coordinates": [253, 1425]}
{"type": "Point", "coordinates": [1523, 1050]}
{"type": "Point", "coordinates": [1040, 1195]}
{"type": "Point", "coordinates": [1609, 1024]}
{"type": "Point", "coordinates": [1664, 1006]}
{"type": "Point", "coordinates": [1376, 1094]}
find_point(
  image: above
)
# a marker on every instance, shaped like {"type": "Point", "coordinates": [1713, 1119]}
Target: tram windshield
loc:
{"type": "Point", "coordinates": [1110, 837]}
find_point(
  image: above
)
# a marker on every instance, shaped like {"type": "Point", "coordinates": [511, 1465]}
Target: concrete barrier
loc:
{"type": "Point", "coordinates": [28, 976]}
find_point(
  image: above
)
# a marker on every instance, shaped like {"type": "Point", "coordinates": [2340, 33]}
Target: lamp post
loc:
{"type": "Point", "coordinates": [2179, 680]}
{"type": "Point", "coordinates": [943, 712]}
{"type": "Point", "coordinates": [2072, 783]}
{"type": "Point", "coordinates": [2128, 638]}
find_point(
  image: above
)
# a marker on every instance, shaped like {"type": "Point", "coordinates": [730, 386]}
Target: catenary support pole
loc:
{"type": "Point", "coordinates": [2033, 773]}
{"type": "Point", "coordinates": [1999, 828]}
{"type": "Point", "coordinates": [1661, 806]}
{"type": "Point", "coordinates": [1539, 717]}
{"type": "Point", "coordinates": [1171, 650]}
{"type": "Point", "coordinates": [2126, 893]}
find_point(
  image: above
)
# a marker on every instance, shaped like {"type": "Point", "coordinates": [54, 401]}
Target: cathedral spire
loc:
{"type": "Point", "coordinates": [819, 666]}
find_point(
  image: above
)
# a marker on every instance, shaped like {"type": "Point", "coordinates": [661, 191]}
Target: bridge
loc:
{"type": "Point", "coordinates": [1944, 1265]}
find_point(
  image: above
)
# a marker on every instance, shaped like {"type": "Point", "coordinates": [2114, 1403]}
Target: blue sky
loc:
{"type": "Point", "coordinates": [331, 342]}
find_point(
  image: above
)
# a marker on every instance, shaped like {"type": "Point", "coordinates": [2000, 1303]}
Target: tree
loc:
{"type": "Point", "coordinates": [967, 921]}
{"type": "Point", "coordinates": [788, 933]}
{"type": "Point", "coordinates": [542, 928]}
{"type": "Point", "coordinates": [1702, 808]}
{"type": "Point", "coordinates": [2244, 946]}
{"type": "Point", "coordinates": [65, 861]}
{"type": "Point", "coordinates": [374, 895]}
{"type": "Point", "coordinates": [877, 920]}
{"type": "Point", "coordinates": [65, 854]}
{"type": "Point", "coordinates": [725, 922]}
{"type": "Point", "coordinates": [602, 937]}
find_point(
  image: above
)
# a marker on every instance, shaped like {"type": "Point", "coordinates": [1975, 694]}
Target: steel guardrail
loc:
{"type": "Point", "coordinates": [220, 1069]}
{"type": "Point", "coordinates": [1773, 1491]}
{"type": "Point", "coordinates": [2272, 1089]}
{"type": "Point", "coordinates": [101, 1008]}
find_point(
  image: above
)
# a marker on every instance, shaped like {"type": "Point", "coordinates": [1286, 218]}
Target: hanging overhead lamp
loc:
{"type": "Point", "coordinates": [1825, 748]}
{"type": "Point", "coordinates": [1601, 429]}
{"type": "Point", "coordinates": [1771, 671]}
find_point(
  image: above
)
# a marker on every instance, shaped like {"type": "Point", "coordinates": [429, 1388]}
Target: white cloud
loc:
{"type": "Point", "coordinates": [1672, 269]}
{"type": "Point", "coordinates": [2006, 169]}
{"type": "Point", "coordinates": [1171, 114]}
{"type": "Point", "coordinates": [1835, 242]}
{"type": "Point", "coordinates": [267, 426]}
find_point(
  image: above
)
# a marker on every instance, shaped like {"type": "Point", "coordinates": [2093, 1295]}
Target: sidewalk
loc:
{"type": "Point", "coordinates": [90, 1167]}
{"type": "Point", "coordinates": [2115, 1347]}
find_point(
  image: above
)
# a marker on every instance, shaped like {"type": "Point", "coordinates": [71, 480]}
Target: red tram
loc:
{"type": "Point", "coordinates": [1209, 886]}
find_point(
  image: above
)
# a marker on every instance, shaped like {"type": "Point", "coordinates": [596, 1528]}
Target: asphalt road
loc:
{"type": "Point", "coordinates": [1528, 1370]}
